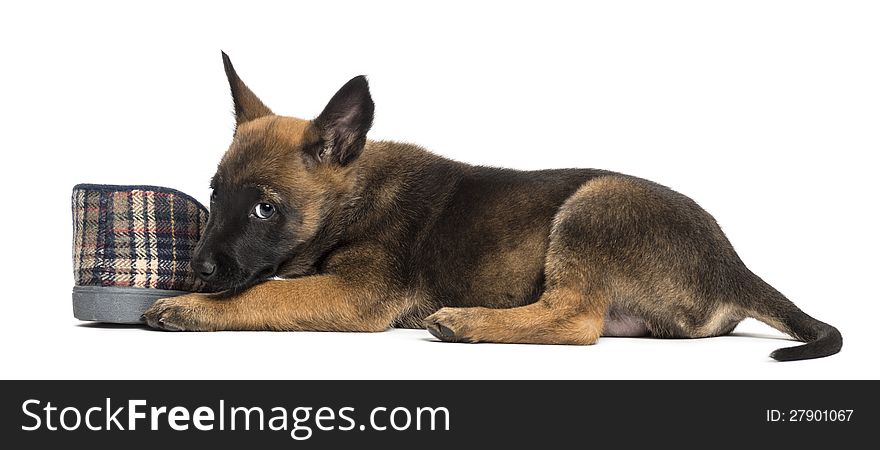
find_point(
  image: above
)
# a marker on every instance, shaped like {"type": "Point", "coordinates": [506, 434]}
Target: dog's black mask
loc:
{"type": "Point", "coordinates": [242, 244]}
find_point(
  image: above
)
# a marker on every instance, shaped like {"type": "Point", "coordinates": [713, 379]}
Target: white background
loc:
{"type": "Point", "coordinates": [765, 112]}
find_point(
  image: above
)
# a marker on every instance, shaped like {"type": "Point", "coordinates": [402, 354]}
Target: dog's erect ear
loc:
{"type": "Point", "coordinates": [247, 105]}
{"type": "Point", "coordinates": [344, 123]}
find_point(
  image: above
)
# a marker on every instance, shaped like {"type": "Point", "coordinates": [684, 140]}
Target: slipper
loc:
{"type": "Point", "coordinates": [132, 245]}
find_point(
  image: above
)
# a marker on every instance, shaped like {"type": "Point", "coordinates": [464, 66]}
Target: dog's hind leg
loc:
{"type": "Point", "coordinates": [571, 310]}
{"type": "Point", "coordinates": [558, 317]}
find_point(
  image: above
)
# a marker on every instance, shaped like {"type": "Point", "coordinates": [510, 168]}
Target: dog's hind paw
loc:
{"type": "Point", "coordinates": [442, 325]}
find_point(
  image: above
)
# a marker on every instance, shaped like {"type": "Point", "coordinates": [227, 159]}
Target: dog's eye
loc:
{"type": "Point", "coordinates": [264, 210]}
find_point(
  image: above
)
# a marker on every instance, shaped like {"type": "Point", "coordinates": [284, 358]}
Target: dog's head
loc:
{"type": "Point", "coordinates": [277, 184]}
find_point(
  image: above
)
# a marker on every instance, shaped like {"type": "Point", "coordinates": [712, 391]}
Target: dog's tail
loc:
{"type": "Point", "coordinates": [772, 308]}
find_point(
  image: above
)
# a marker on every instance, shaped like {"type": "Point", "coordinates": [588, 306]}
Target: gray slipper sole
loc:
{"type": "Point", "coordinates": [115, 304]}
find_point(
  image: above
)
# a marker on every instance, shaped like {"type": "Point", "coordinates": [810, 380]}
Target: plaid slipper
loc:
{"type": "Point", "coordinates": [131, 246]}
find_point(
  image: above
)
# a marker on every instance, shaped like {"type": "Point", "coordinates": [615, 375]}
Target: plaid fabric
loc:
{"type": "Point", "coordinates": [135, 236]}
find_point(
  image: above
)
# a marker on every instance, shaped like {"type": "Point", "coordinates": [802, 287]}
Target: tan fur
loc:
{"type": "Point", "coordinates": [380, 234]}
{"type": "Point", "coordinates": [318, 303]}
{"type": "Point", "coordinates": [557, 318]}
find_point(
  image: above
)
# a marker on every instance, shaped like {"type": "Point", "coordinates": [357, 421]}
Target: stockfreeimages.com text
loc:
{"type": "Point", "coordinates": [136, 415]}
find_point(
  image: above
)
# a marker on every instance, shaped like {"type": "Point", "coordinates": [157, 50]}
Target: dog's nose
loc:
{"type": "Point", "coordinates": [205, 268]}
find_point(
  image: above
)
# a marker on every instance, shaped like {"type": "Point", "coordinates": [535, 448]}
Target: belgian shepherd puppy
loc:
{"type": "Point", "coordinates": [314, 227]}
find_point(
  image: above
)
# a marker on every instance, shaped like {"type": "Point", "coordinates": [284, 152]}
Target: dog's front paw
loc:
{"type": "Point", "coordinates": [449, 325]}
{"type": "Point", "coordinates": [190, 312]}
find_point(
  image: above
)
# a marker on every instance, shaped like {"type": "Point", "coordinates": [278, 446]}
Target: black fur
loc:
{"type": "Point", "coordinates": [418, 232]}
{"type": "Point", "coordinates": [344, 123]}
{"type": "Point", "coordinates": [244, 248]}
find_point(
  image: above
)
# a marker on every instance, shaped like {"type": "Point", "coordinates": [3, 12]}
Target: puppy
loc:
{"type": "Point", "coordinates": [314, 227]}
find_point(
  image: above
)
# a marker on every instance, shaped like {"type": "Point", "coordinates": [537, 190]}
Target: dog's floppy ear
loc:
{"type": "Point", "coordinates": [344, 123]}
{"type": "Point", "coordinates": [247, 105]}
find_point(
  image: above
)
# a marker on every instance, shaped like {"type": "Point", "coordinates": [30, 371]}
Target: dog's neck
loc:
{"type": "Point", "coordinates": [389, 179]}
